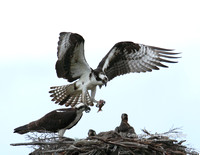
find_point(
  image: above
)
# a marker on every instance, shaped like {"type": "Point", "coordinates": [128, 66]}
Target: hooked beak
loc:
{"type": "Point", "coordinates": [104, 83]}
{"type": "Point", "coordinates": [105, 80]}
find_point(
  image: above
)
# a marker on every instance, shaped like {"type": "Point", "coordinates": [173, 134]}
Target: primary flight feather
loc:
{"type": "Point", "coordinates": [123, 58]}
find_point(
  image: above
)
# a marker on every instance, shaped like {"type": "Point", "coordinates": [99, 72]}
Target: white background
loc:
{"type": "Point", "coordinates": [156, 101]}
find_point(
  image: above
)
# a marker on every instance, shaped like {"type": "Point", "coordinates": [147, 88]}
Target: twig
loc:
{"type": "Point", "coordinates": [42, 143]}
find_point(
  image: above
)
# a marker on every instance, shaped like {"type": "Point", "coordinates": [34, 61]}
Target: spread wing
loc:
{"type": "Point", "coordinates": [126, 57]}
{"type": "Point", "coordinates": [71, 63]}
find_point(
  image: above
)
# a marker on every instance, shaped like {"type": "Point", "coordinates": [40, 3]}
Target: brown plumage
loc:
{"type": "Point", "coordinates": [124, 127]}
{"type": "Point", "coordinates": [91, 133]}
{"type": "Point", "coordinates": [55, 121]}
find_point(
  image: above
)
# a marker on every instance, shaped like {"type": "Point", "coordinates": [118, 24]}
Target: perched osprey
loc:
{"type": "Point", "coordinates": [124, 126]}
{"type": "Point", "coordinates": [125, 129]}
{"type": "Point", "coordinates": [123, 58]}
{"type": "Point", "coordinates": [104, 135]}
{"type": "Point", "coordinates": [55, 121]}
{"type": "Point", "coordinates": [91, 132]}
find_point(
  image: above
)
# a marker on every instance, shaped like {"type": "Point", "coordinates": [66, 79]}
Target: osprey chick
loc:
{"type": "Point", "coordinates": [125, 129]}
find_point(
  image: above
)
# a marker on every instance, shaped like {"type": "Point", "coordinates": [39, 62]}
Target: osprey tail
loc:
{"type": "Point", "coordinates": [68, 95]}
{"type": "Point", "coordinates": [21, 129]}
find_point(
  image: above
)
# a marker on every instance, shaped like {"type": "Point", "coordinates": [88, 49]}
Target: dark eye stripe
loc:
{"type": "Point", "coordinates": [97, 78]}
{"type": "Point", "coordinates": [96, 74]}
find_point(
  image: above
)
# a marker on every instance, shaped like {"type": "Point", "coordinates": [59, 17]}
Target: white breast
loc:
{"type": "Point", "coordinates": [78, 117]}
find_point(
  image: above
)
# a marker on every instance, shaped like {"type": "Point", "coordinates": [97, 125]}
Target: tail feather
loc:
{"type": "Point", "coordinates": [68, 95]}
{"type": "Point", "coordinates": [75, 99]}
{"type": "Point", "coordinates": [21, 129]}
{"type": "Point", "coordinates": [60, 93]}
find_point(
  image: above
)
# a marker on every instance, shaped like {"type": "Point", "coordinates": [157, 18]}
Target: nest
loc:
{"type": "Point", "coordinates": [111, 143]}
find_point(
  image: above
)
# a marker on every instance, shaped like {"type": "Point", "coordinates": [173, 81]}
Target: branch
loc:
{"type": "Point", "coordinates": [42, 143]}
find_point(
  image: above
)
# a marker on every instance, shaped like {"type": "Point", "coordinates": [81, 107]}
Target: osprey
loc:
{"type": "Point", "coordinates": [55, 121]}
{"type": "Point", "coordinates": [104, 135]}
{"type": "Point", "coordinates": [124, 127]}
{"type": "Point", "coordinates": [91, 132]}
{"type": "Point", "coordinates": [123, 58]}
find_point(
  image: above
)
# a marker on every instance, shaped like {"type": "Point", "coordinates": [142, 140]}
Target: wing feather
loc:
{"type": "Point", "coordinates": [126, 57]}
{"type": "Point", "coordinates": [71, 63]}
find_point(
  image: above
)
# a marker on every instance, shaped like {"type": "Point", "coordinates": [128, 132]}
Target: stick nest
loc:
{"type": "Point", "coordinates": [111, 143]}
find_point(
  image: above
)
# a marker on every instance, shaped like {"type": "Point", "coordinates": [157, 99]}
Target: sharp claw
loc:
{"type": "Point", "coordinates": [97, 105]}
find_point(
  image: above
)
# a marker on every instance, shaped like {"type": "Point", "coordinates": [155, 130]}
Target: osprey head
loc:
{"type": "Point", "coordinates": [82, 107]}
{"type": "Point", "coordinates": [101, 77]}
{"type": "Point", "coordinates": [91, 133]}
{"type": "Point", "coordinates": [124, 117]}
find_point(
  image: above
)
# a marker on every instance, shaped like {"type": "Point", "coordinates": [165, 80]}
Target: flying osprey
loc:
{"type": "Point", "coordinates": [123, 58]}
{"type": "Point", "coordinates": [55, 121]}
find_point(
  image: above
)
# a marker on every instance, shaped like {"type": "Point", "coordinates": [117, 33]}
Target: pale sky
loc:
{"type": "Point", "coordinates": [157, 101]}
